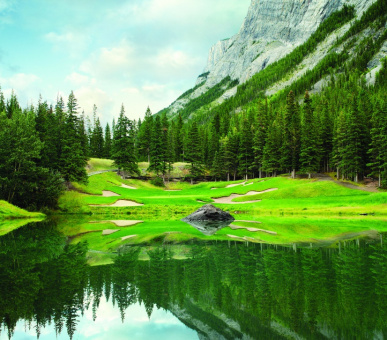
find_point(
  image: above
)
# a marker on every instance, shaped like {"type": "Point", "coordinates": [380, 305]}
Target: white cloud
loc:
{"type": "Point", "coordinates": [110, 62]}
{"type": "Point", "coordinates": [22, 81]}
{"type": "Point", "coordinates": [72, 43]}
{"type": "Point", "coordinates": [88, 96]}
{"type": "Point", "coordinates": [78, 79]}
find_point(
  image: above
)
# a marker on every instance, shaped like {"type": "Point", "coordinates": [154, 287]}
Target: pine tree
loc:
{"type": "Point", "coordinates": [259, 137]}
{"type": "Point", "coordinates": [245, 154]}
{"type": "Point", "coordinates": [123, 145]}
{"type": "Point", "coordinates": [96, 140]}
{"type": "Point", "coordinates": [309, 155]}
{"type": "Point", "coordinates": [272, 150]}
{"type": "Point", "coordinates": [378, 146]}
{"type": "Point", "coordinates": [108, 142]}
{"type": "Point", "coordinates": [291, 136]}
{"type": "Point", "coordinates": [73, 158]}
{"type": "Point", "coordinates": [145, 135]}
{"type": "Point", "coordinates": [156, 148]}
{"type": "Point", "coordinates": [193, 153]}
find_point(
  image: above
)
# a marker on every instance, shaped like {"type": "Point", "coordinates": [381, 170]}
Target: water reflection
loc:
{"type": "Point", "coordinates": [220, 290]}
{"type": "Point", "coordinates": [208, 227]}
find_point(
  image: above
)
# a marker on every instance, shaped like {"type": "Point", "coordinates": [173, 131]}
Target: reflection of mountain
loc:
{"type": "Point", "coordinates": [221, 290]}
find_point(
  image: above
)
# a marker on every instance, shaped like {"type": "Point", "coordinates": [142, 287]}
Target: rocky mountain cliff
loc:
{"type": "Point", "coordinates": [271, 30]}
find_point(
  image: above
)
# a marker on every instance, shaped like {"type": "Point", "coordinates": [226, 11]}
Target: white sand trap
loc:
{"type": "Point", "coordinates": [127, 187]}
{"type": "Point", "coordinates": [173, 190]}
{"type": "Point", "coordinates": [127, 237]}
{"type": "Point", "coordinates": [119, 203]}
{"type": "Point", "coordinates": [172, 232]}
{"type": "Point", "coordinates": [245, 185]}
{"type": "Point", "coordinates": [228, 199]}
{"type": "Point", "coordinates": [235, 237]}
{"type": "Point", "coordinates": [109, 231]}
{"type": "Point", "coordinates": [236, 227]}
{"type": "Point", "coordinates": [214, 188]}
{"type": "Point", "coordinates": [125, 223]}
{"type": "Point", "coordinates": [235, 185]}
{"type": "Point", "coordinates": [248, 221]}
{"type": "Point", "coordinates": [106, 193]}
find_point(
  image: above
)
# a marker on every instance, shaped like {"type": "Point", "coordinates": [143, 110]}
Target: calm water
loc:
{"type": "Point", "coordinates": [219, 291]}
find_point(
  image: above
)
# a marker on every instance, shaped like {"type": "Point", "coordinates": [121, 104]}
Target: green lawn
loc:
{"type": "Point", "coordinates": [299, 211]}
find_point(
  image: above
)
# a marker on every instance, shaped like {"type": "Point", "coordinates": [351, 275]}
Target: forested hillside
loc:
{"type": "Point", "coordinates": [341, 128]}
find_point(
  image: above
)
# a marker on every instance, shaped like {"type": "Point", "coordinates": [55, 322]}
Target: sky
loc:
{"type": "Point", "coordinates": [138, 53]}
{"type": "Point", "coordinates": [162, 325]}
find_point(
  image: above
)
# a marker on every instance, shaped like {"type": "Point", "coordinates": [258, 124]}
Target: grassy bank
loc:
{"type": "Point", "coordinates": [9, 211]}
{"type": "Point", "coordinates": [284, 212]}
{"type": "Point", "coordinates": [273, 197]}
{"type": "Point", "coordinates": [12, 217]}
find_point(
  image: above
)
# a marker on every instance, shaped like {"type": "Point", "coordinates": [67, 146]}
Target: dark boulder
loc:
{"type": "Point", "coordinates": [209, 213]}
{"type": "Point", "coordinates": [209, 219]}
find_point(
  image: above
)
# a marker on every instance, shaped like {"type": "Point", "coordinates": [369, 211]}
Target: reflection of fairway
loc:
{"type": "Point", "coordinates": [6, 226]}
{"type": "Point", "coordinates": [290, 211]}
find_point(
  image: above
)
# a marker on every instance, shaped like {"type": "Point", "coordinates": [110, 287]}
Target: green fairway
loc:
{"type": "Point", "coordinates": [9, 211]}
{"type": "Point", "coordinates": [287, 197]}
{"type": "Point", "coordinates": [306, 212]}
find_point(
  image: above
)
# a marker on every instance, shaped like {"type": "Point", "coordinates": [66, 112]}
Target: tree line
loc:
{"type": "Point", "coordinates": [311, 291]}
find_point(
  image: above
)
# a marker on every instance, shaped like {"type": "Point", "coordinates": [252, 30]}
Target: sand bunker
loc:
{"type": "Point", "coordinates": [119, 203]}
{"type": "Point", "coordinates": [173, 190]}
{"type": "Point", "coordinates": [106, 193]}
{"type": "Point", "coordinates": [127, 237]}
{"type": "Point", "coordinates": [125, 223]}
{"type": "Point", "coordinates": [236, 227]}
{"type": "Point", "coordinates": [228, 199]}
{"type": "Point", "coordinates": [127, 187]}
{"type": "Point", "coordinates": [235, 185]}
{"type": "Point", "coordinates": [109, 231]}
{"type": "Point", "coordinates": [235, 237]}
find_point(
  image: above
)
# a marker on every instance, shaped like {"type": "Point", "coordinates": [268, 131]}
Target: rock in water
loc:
{"type": "Point", "coordinates": [209, 213]}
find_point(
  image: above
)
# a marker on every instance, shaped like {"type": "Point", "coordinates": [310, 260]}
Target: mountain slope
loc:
{"type": "Point", "coordinates": [272, 30]}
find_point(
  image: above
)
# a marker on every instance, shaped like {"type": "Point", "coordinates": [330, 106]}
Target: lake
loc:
{"type": "Point", "coordinates": [192, 290]}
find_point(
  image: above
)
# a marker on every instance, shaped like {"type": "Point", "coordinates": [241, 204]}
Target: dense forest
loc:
{"type": "Point", "coordinates": [310, 292]}
{"type": "Point", "coordinates": [341, 129]}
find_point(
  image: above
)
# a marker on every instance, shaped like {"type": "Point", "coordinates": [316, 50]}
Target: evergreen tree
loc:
{"type": "Point", "coordinates": [193, 153]}
{"type": "Point", "coordinates": [96, 139]}
{"type": "Point", "coordinates": [123, 145]}
{"type": "Point", "coordinates": [156, 148]}
{"type": "Point", "coordinates": [108, 142]}
{"type": "Point", "coordinates": [291, 136]}
{"type": "Point", "coordinates": [145, 135]}
{"type": "Point", "coordinates": [309, 155]}
{"type": "Point", "coordinates": [378, 146]}
{"type": "Point", "coordinates": [245, 154]}
{"type": "Point", "coordinates": [260, 134]}
{"type": "Point", "coordinates": [73, 157]}
{"type": "Point", "coordinates": [271, 161]}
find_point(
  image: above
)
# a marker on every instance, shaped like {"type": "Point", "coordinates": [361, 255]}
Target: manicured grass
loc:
{"type": "Point", "coordinates": [299, 211]}
{"type": "Point", "coordinates": [302, 197]}
{"type": "Point", "coordinates": [98, 164]}
{"type": "Point", "coordinates": [304, 231]}
{"type": "Point", "coordinates": [9, 211]}
{"type": "Point", "coordinates": [12, 217]}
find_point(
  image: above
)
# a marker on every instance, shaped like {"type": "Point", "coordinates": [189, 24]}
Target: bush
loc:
{"type": "Point", "coordinates": [158, 182]}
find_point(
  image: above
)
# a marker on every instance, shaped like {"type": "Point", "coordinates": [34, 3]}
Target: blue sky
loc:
{"type": "Point", "coordinates": [135, 52]}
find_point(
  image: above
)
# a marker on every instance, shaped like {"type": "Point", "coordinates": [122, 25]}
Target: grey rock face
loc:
{"type": "Point", "coordinates": [271, 30]}
{"type": "Point", "coordinates": [209, 213]}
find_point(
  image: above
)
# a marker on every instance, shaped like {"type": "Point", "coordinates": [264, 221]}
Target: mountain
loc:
{"type": "Point", "coordinates": [271, 31]}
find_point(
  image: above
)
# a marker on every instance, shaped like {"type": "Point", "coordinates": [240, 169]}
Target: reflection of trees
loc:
{"type": "Point", "coordinates": [42, 278]}
{"type": "Point", "coordinates": [341, 293]}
